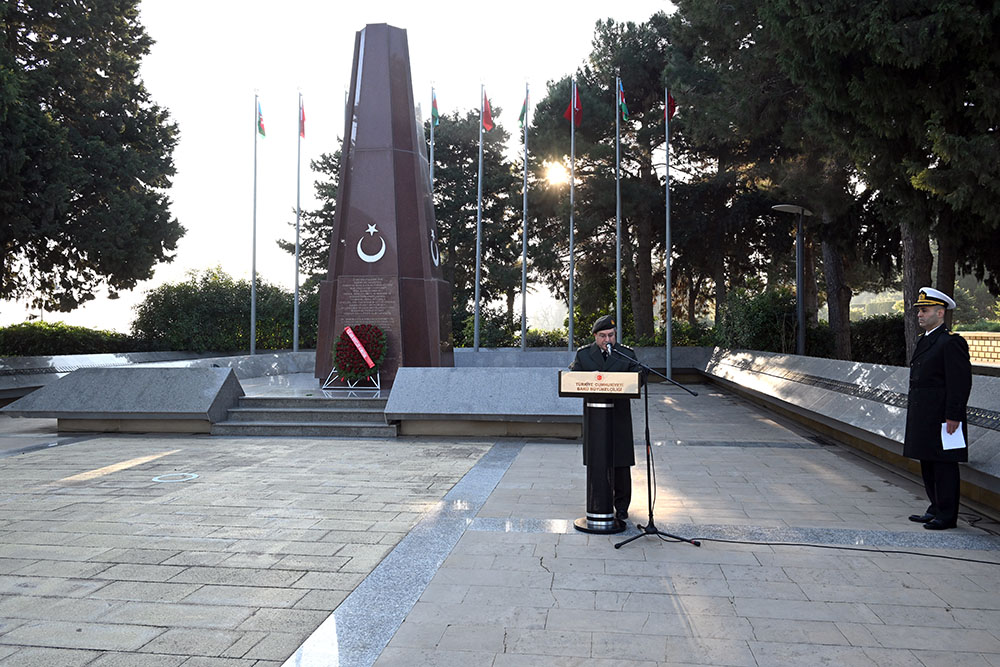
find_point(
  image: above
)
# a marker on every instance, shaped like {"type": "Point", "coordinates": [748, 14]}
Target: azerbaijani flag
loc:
{"type": "Point", "coordinates": [621, 101]}
{"type": "Point", "coordinates": [524, 113]}
{"type": "Point", "coordinates": [302, 119]}
{"type": "Point", "coordinates": [435, 116]}
{"type": "Point", "coordinates": [487, 114]}
{"type": "Point", "coordinates": [260, 121]}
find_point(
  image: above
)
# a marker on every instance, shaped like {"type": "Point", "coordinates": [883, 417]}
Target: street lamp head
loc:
{"type": "Point", "coordinates": [791, 208]}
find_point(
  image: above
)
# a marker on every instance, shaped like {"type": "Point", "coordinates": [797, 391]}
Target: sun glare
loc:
{"type": "Point", "coordinates": [556, 173]}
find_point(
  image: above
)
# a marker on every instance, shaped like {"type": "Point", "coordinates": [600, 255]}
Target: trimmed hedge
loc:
{"type": "Point", "coordinates": [42, 339]}
{"type": "Point", "coordinates": [879, 339]}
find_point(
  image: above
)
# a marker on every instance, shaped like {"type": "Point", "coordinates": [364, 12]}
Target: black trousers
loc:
{"type": "Point", "coordinates": [623, 487]}
{"type": "Point", "coordinates": [942, 483]}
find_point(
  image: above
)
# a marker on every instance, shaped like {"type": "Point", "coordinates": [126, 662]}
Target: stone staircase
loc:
{"type": "Point", "coordinates": [307, 416]}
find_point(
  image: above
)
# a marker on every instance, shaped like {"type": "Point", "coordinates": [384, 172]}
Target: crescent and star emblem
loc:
{"type": "Point", "coordinates": [365, 257]}
{"type": "Point", "coordinates": [435, 254]}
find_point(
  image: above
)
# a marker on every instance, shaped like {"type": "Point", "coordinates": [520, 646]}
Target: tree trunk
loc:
{"type": "Point", "coordinates": [810, 288]}
{"type": "Point", "coordinates": [917, 260]}
{"type": "Point", "coordinates": [946, 259]}
{"type": "Point", "coordinates": [628, 263]}
{"type": "Point", "coordinates": [838, 295]}
{"type": "Point", "coordinates": [694, 287]}
{"type": "Point", "coordinates": [642, 312]}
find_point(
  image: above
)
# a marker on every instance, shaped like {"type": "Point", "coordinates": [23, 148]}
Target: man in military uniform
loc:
{"type": "Point", "coordinates": [598, 356]}
{"type": "Point", "coordinates": [940, 383]}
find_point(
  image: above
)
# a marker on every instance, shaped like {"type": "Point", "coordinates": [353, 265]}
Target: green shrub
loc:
{"type": "Point", "coordinates": [819, 341]}
{"type": "Point", "coordinates": [683, 334]}
{"type": "Point", "coordinates": [763, 321]}
{"type": "Point", "coordinates": [495, 330]}
{"type": "Point", "coordinates": [546, 338]}
{"type": "Point", "coordinates": [35, 339]}
{"type": "Point", "coordinates": [879, 339]}
{"type": "Point", "coordinates": [980, 325]}
{"type": "Point", "coordinates": [210, 312]}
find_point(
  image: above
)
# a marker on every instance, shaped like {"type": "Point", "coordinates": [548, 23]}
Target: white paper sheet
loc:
{"type": "Point", "coordinates": [954, 440]}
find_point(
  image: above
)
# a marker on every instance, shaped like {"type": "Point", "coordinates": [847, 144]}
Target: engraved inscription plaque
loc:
{"type": "Point", "coordinates": [367, 300]}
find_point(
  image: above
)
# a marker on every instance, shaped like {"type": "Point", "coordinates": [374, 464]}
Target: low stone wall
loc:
{"type": "Point", "coordinates": [984, 346]}
{"type": "Point", "coordinates": [249, 366]}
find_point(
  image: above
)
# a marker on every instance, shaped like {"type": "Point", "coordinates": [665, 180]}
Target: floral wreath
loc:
{"type": "Point", "coordinates": [348, 359]}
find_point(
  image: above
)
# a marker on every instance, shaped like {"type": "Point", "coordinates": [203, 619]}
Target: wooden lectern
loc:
{"type": "Point", "coordinates": [598, 389]}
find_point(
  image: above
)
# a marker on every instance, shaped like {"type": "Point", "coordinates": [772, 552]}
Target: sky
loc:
{"type": "Point", "coordinates": [212, 56]}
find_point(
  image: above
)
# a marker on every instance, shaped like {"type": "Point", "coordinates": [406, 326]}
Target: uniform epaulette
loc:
{"type": "Point", "coordinates": [626, 347]}
{"type": "Point", "coordinates": [582, 346]}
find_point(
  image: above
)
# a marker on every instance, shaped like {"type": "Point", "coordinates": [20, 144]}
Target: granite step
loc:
{"type": "Point", "coordinates": [313, 402]}
{"type": "Point", "coordinates": [307, 415]}
{"type": "Point", "coordinates": [338, 429]}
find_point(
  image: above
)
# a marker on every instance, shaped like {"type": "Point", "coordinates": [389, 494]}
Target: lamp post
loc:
{"type": "Point", "coordinates": [800, 307]}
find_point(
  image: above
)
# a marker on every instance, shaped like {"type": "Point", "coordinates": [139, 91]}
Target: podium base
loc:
{"type": "Point", "coordinates": [604, 527]}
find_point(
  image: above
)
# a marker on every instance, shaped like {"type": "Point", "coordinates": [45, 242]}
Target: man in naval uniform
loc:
{"type": "Point", "coordinates": [940, 383]}
{"type": "Point", "coordinates": [598, 356]}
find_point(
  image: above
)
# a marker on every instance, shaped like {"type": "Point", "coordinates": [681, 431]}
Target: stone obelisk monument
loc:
{"type": "Point", "coordinates": [385, 267]}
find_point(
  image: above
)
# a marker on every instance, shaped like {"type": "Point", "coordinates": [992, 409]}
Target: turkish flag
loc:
{"type": "Point", "coordinates": [487, 114]}
{"type": "Point", "coordinates": [573, 109]}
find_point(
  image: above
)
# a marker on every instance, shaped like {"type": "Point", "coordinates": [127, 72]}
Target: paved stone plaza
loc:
{"type": "Point", "coordinates": [215, 552]}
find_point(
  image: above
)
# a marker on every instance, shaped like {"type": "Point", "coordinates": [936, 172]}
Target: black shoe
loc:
{"type": "Point", "coordinates": [621, 515]}
{"type": "Point", "coordinates": [921, 518]}
{"type": "Point", "coordinates": [938, 524]}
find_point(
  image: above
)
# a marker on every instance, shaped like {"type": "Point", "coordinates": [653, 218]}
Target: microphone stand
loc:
{"type": "Point", "coordinates": [650, 528]}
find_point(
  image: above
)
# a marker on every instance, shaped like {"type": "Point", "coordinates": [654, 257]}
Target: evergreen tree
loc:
{"type": "Point", "coordinates": [910, 91]}
{"type": "Point", "coordinates": [85, 155]}
{"type": "Point", "coordinates": [456, 165]}
{"type": "Point", "coordinates": [316, 227]}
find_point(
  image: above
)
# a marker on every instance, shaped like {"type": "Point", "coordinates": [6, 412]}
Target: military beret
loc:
{"type": "Point", "coordinates": [929, 296]}
{"type": "Point", "coordinates": [602, 323]}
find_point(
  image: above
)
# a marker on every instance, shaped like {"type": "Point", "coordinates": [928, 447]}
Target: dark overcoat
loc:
{"type": "Point", "coordinates": [940, 383]}
{"type": "Point", "coordinates": [590, 358]}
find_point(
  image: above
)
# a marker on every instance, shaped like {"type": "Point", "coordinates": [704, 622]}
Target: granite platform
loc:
{"type": "Point", "coordinates": [143, 392]}
{"type": "Point", "coordinates": [20, 376]}
{"type": "Point", "coordinates": [134, 399]}
{"type": "Point", "coordinates": [481, 401]}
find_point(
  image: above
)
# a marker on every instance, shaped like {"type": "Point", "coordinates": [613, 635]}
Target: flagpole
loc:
{"type": "Point", "coordinates": [253, 252]}
{"type": "Point", "coordinates": [572, 183]}
{"type": "Point", "coordinates": [668, 324]}
{"type": "Point", "coordinates": [618, 209]}
{"type": "Point", "coordinates": [479, 222]}
{"type": "Point", "coordinates": [433, 100]}
{"type": "Point", "coordinates": [298, 215]}
{"type": "Point", "coordinates": [524, 233]}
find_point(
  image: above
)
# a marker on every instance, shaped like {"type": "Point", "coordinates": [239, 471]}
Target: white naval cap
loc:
{"type": "Point", "coordinates": [929, 296]}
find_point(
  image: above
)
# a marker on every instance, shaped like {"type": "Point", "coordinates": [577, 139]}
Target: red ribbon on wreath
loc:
{"type": "Point", "coordinates": [361, 348]}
